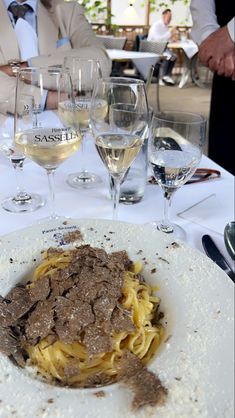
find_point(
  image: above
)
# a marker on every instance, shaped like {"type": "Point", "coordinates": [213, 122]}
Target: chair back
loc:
{"type": "Point", "coordinates": [112, 42]}
{"type": "Point", "coordinates": [152, 46]}
{"type": "Point", "coordinates": [138, 39]}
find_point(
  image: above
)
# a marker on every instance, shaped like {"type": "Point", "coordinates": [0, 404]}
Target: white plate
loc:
{"type": "Point", "coordinates": [195, 363]}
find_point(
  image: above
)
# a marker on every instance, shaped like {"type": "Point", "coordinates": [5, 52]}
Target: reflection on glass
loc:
{"type": "Point", "coordinates": [22, 201]}
{"type": "Point", "coordinates": [119, 122]}
{"type": "Point", "coordinates": [47, 136]}
{"type": "Point", "coordinates": [84, 74]}
{"type": "Point", "coordinates": [176, 146]}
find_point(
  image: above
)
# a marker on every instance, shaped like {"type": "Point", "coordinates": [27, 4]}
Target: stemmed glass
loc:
{"type": "Point", "coordinates": [119, 121]}
{"type": "Point", "coordinates": [176, 145]}
{"type": "Point", "coordinates": [84, 73]}
{"type": "Point", "coordinates": [22, 201]}
{"type": "Point", "coordinates": [43, 120]}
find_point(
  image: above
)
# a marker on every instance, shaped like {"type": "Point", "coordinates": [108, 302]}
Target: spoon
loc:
{"type": "Point", "coordinates": [229, 238]}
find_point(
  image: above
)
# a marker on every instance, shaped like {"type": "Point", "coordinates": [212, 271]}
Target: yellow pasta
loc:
{"type": "Point", "coordinates": [137, 297]}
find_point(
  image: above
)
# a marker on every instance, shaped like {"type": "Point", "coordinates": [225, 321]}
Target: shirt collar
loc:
{"type": "Point", "coordinates": [32, 3]}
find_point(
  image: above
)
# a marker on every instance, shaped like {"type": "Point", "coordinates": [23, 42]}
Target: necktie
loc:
{"type": "Point", "coordinates": [19, 10]}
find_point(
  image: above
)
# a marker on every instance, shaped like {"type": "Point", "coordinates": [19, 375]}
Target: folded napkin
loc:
{"type": "Point", "coordinates": [27, 39]}
{"type": "Point", "coordinates": [189, 47]}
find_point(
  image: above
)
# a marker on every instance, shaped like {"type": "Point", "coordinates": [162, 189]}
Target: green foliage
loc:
{"type": "Point", "coordinates": [96, 8]}
{"type": "Point", "coordinates": [155, 5]}
{"type": "Point", "coordinates": [93, 8]}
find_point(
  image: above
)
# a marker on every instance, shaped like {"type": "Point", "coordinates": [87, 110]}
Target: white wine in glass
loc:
{"type": "Point", "coordinates": [84, 74]}
{"type": "Point", "coordinates": [120, 131]}
{"type": "Point", "coordinates": [176, 145]}
{"type": "Point", "coordinates": [45, 129]}
{"type": "Point", "coordinates": [22, 201]}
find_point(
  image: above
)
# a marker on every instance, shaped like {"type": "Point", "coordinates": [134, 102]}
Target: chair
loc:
{"type": "Point", "coordinates": [138, 38]}
{"type": "Point", "coordinates": [112, 42]}
{"type": "Point", "coordinates": [156, 48]}
{"type": "Point", "coordinates": [152, 46]}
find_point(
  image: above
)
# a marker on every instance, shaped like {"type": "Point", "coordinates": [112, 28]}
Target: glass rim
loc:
{"type": "Point", "coordinates": [199, 119]}
{"type": "Point", "coordinates": [75, 57]}
{"type": "Point", "coordinates": [52, 70]}
{"type": "Point", "coordinates": [121, 81]}
{"type": "Point", "coordinates": [131, 111]}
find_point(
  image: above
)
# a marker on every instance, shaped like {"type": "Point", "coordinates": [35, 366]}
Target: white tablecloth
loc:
{"type": "Point", "coordinates": [209, 217]}
{"type": "Point", "coordinates": [189, 47]}
{"type": "Point", "coordinates": [141, 60]}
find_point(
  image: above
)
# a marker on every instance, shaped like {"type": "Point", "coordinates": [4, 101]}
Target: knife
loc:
{"type": "Point", "coordinates": [214, 253]}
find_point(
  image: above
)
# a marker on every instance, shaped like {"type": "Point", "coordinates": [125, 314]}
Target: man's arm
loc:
{"type": "Point", "coordinates": [85, 44]}
{"type": "Point", "coordinates": [216, 48]}
{"type": "Point", "coordinates": [204, 19]}
{"type": "Point", "coordinates": [8, 70]}
{"type": "Point", "coordinates": [158, 33]}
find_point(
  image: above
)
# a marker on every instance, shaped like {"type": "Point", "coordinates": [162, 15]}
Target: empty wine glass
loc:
{"type": "Point", "coordinates": [22, 201]}
{"type": "Point", "coordinates": [84, 73]}
{"type": "Point", "coordinates": [119, 121]}
{"type": "Point", "coordinates": [176, 145]}
{"type": "Point", "coordinates": [44, 120]}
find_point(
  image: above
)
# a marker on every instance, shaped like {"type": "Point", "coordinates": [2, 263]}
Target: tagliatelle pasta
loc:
{"type": "Point", "coordinates": [53, 359]}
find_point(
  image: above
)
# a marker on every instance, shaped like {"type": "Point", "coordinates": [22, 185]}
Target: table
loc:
{"type": "Point", "coordinates": [216, 210]}
{"type": "Point", "coordinates": [141, 60]}
{"type": "Point", "coordinates": [190, 50]}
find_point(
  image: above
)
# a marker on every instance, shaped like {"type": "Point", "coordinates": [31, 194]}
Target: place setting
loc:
{"type": "Point", "coordinates": [116, 311]}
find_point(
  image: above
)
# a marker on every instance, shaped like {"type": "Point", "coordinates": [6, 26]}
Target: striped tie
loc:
{"type": "Point", "coordinates": [19, 10]}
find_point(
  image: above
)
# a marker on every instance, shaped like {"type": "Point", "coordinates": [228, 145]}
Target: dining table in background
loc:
{"type": "Point", "coordinates": [200, 208]}
{"type": "Point", "coordinates": [189, 50]}
{"type": "Point", "coordinates": [141, 60]}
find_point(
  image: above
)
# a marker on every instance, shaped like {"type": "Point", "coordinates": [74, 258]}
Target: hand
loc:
{"type": "Point", "coordinates": [227, 66]}
{"type": "Point", "coordinates": [52, 99]}
{"type": "Point", "coordinates": [215, 47]}
{"type": "Point", "coordinates": [174, 34]}
{"type": "Point", "coordinates": [7, 69]}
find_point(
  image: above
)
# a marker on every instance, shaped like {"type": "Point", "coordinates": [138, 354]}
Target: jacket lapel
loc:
{"type": "Point", "coordinates": [8, 41]}
{"type": "Point", "coordinates": [47, 31]}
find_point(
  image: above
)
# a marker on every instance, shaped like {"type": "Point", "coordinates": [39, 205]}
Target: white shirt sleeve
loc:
{"type": "Point", "coordinates": [159, 32]}
{"type": "Point", "coordinates": [231, 28]}
{"type": "Point", "coordinates": [204, 19]}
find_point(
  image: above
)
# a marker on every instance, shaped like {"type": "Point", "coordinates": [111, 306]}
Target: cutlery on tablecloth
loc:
{"type": "Point", "coordinates": [214, 253]}
{"type": "Point", "coordinates": [229, 238]}
{"type": "Point", "coordinates": [201, 174]}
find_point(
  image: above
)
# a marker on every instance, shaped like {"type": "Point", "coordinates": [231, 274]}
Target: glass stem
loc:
{"type": "Point", "coordinates": [116, 195]}
{"type": "Point", "coordinates": [83, 150]}
{"type": "Point", "coordinates": [51, 183]}
{"type": "Point", "coordinates": [18, 169]}
{"type": "Point", "coordinates": [166, 225]}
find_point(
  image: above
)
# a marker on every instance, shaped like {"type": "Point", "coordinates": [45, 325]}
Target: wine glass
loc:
{"type": "Point", "coordinates": [119, 121]}
{"type": "Point", "coordinates": [44, 120]}
{"type": "Point", "coordinates": [176, 145]}
{"type": "Point", "coordinates": [22, 201]}
{"type": "Point", "coordinates": [84, 73]}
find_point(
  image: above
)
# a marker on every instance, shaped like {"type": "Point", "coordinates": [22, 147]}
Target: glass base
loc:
{"type": "Point", "coordinates": [83, 179]}
{"type": "Point", "coordinates": [130, 199]}
{"type": "Point", "coordinates": [23, 203]}
{"type": "Point", "coordinates": [175, 230]}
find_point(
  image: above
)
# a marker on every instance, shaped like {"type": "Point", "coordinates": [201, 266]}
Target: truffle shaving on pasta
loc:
{"type": "Point", "coordinates": [82, 318]}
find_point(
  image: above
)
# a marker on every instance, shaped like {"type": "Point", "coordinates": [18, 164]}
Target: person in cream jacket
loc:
{"type": "Point", "coordinates": [61, 30]}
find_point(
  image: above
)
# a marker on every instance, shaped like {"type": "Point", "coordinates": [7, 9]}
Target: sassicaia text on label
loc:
{"type": "Point", "coordinates": [68, 136]}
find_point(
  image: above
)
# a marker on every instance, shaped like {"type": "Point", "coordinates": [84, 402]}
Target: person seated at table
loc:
{"type": "Point", "coordinates": [160, 32]}
{"type": "Point", "coordinates": [41, 33]}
